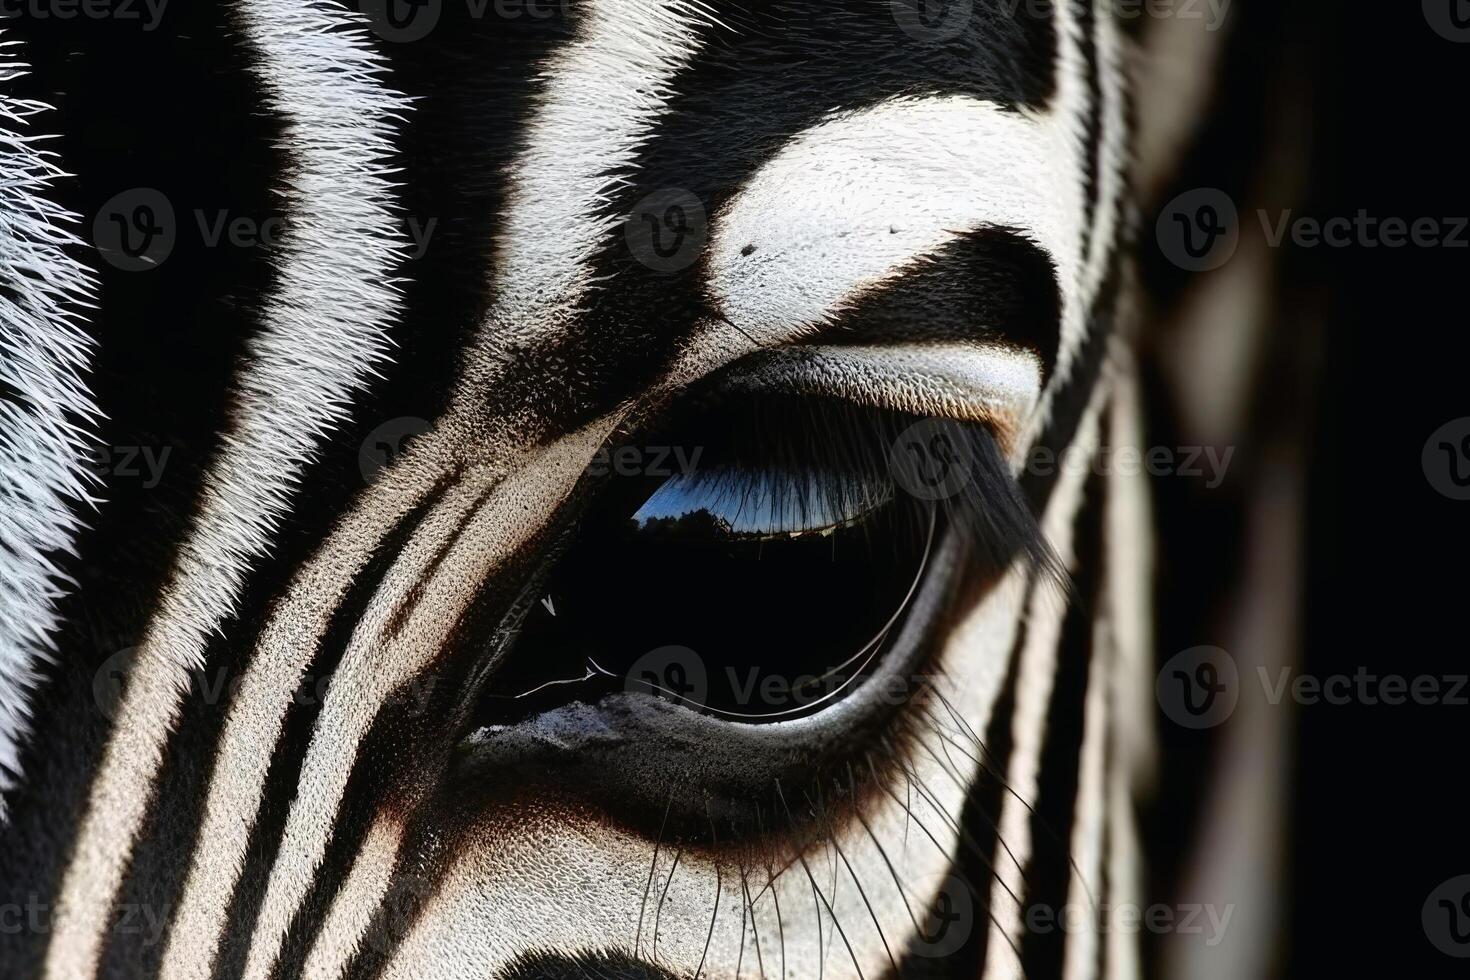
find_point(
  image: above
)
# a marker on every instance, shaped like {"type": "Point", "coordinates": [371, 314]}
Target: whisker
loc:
{"type": "Point", "coordinates": [990, 824]}
{"type": "Point", "coordinates": [754, 925]}
{"type": "Point", "coordinates": [988, 763]}
{"type": "Point", "coordinates": [965, 836]}
{"type": "Point", "coordinates": [861, 894]}
{"type": "Point", "coordinates": [925, 829]}
{"type": "Point", "coordinates": [817, 893]}
{"type": "Point", "coordinates": [817, 810]}
{"type": "Point", "coordinates": [653, 866]}
{"type": "Point", "coordinates": [775, 895]}
{"type": "Point", "coordinates": [1045, 825]}
{"type": "Point", "coordinates": [719, 887]}
{"type": "Point", "coordinates": [882, 852]}
{"type": "Point", "coordinates": [659, 912]}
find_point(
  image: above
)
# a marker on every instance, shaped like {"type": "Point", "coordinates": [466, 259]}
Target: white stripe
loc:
{"type": "Point", "coordinates": [1113, 138]}
{"type": "Point", "coordinates": [1128, 529]}
{"type": "Point", "coordinates": [324, 331]}
{"type": "Point", "coordinates": [857, 199]}
{"type": "Point", "coordinates": [602, 95]}
{"type": "Point", "coordinates": [1090, 815]}
{"type": "Point", "coordinates": [1130, 534]}
{"type": "Point", "coordinates": [1174, 73]}
{"type": "Point", "coordinates": [1116, 708]}
{"type": "Point", "coordinates": [992, 384]}
{"type": "Point", "coordinates": [45, 428]}
{"type": "Point", "coordinates": [1125, 871]}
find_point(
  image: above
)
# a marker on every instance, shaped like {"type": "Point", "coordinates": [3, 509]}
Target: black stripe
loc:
{"type": "Point", "coordinates": [1087, 25]}
{"type": "Point", "coordinates": [551, 965]}
{"type": "Point", "coordinates": [284, 773]}
{"type": "Point", "coordinates": [1049, 870]}
{"type": "Point", "coordinates": [1106, 885]}
{"type": "Point", "coordinates": [1073, 394]}
{"type": "Point", "coordinates": [474, 85]}
{"type": "Point", "coordinates": [990, 285]}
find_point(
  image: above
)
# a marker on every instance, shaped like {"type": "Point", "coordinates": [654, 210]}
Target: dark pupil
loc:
{"type": "Point", "coordinates": [749, 624]}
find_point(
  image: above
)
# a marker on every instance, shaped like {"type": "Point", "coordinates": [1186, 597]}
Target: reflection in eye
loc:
{"type": "Point", "coordinates": [768, 504]}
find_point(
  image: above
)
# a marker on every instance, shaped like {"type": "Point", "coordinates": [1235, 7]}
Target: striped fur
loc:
{"type": "Point", "coordinates": [839, 162]}
{"type": "Point", "coordinates": [323, 333]}
{"type": "Point", "coordinates": [46, 411]}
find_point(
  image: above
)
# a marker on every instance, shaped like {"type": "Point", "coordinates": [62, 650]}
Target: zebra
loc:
{"type": "Point", "coordinates": [304, 708]}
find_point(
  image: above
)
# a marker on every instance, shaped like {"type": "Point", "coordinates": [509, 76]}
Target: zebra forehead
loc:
{"type": "Point", "coordinates": [819, 184]}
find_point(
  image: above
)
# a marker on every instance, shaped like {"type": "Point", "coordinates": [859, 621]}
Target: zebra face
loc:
{"type": "Point", "coordinates": [715, 622]}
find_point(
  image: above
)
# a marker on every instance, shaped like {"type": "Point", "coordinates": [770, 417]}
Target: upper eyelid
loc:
{"type": "Point", "coordinates": [990, 384]}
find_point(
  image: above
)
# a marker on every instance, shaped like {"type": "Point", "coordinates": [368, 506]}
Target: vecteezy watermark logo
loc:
{"type": "Point", "coordinates": [386, 443]}
{"type": "Point", "coordinates": [645, 461]}
{"type": "Point", "coordinates": [1199, 688]}
{"type": "Point", "coordinates": [142, 463]}
{"type": "Point", "coordinates": [149, 12]}
{"type": "Point", "coordinates": [1363, 688]}
{"type": "Point", "coordinates": [674, 673]}
{"type": "Point", "coordinates": [1446, 917]}
{"type": "Point", "coordinates": [933, 459]}
{"type": "Point", "coordinates": [932, 20]}
{"type": "Point", "coordinates": [1446, 459]}
{"type": "Point", "coordinates": [1199, 230]}
{"type": "Point", "coordinates": [1362, 230]}
{"type": "Point", "coordinates": [110, 679]}
{"type": "Point", "coordinates": [1209, 464]}
{"type": "Point", "coordinates": [1449, 18]}
{"type": "Point", "coordinates": [413, 20]}
{"type": "Point", "coordinates": [143, 922]}
{"type": "Point", "coordinates": [949, 919]}
{"type": "Point", "coordinates": [403, 20]}
{"type": "Point", "coordinates": [1211, 13]}
{"type": "Point", "coordinates": [220, 685]}
{"type": "Point", "coordinates": [1191, 919]}
{"type": "Point", "coordinates": [136, 229]}
{"type": "Point", "coordinates": [666, 231]}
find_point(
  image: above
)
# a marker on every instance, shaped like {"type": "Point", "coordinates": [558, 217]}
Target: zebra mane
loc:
{"type": "Point", "coordinates": [47, 412]}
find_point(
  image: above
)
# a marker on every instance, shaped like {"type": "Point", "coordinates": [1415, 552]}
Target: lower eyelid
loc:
{"type": "Point", "coordinates": [639, 756]}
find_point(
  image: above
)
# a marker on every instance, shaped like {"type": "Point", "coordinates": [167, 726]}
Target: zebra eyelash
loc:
{"type": "Point", "coordinates": [804, 460]}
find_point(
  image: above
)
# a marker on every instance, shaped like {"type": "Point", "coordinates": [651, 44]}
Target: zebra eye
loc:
{"type": "Point", "coordinates": [750, 599]}
{"type": "Point", "coordinates": [750, 566]}
{"type": "Point", "coordinates": [754, 565]}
